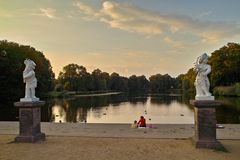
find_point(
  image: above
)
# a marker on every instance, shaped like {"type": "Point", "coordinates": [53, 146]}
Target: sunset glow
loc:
{"type": "Point", "coordinates": [128, 37]}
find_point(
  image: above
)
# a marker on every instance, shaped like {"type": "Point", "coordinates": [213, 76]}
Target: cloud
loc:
{"type": "Point", "coordinates": [89, 12]}
{"type": "Point", "coordinates": [131, 19]}
{"type": "Point", "coordinates": [95, 54]}
{"type": "Point", "coordinates": [47, 12]}
{"type": "Point", "coordinates": [137, 20]}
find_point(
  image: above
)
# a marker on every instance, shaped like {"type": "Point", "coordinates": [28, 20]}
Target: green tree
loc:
{"type": "Point", "coordinates": [138, 84]}
{"type": "Point", "coordinates": [118, 83]}
{"type": "Point", "coordinates": [188, 81]}
{"type": "Point", "coordinates": [162, 83]}
{"type": "Point", "coordinates": [180, 81]}
{"type": "Point", "coordinates": [225, 64]}
{"type": "Point", "coordinates": [12, 56]}
{"type": "Point", "coordinates": [75, 78]}
{"type": "Point", "coordinates": [101, 80]}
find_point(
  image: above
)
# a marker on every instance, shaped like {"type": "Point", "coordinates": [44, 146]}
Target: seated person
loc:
{"type": "Point", "coordinates": [142, 122]}
{"type": "Point", "coordinates": [134, 125]}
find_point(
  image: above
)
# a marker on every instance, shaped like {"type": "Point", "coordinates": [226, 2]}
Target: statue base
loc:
{"type": "Point", "coordinates": [29, 99]}
{"type": "Point", "coordinates": [30, 138]}
{"type": "Point", "coordinates": [29, 121]}
{"type": "Point", "coordinates": [205, 124]}
{"type": "Point", "coordinates": [204, 98]}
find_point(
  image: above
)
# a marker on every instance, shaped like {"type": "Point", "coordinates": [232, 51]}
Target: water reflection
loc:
{"type": "Point", "coordinates": [58, 114]}
{"type": "Point", "coordinates": [125, 108]}
{"type": "Point", "coordinates": [121, 108]}
{"type": "Point", "coordinates": [229, 112]}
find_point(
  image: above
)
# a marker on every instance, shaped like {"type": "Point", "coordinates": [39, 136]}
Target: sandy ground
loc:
{"type": "Point", "coordinates": [73, 141]}
{"type": "Point", "coordinates": [231, 131]}
{"type": "Point", "coordinates": [84, 148]}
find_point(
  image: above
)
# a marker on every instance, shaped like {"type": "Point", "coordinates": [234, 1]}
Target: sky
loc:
{"type": "Point", "coordinates": [130, 37]}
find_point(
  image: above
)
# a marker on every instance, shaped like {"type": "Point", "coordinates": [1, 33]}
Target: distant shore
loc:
{"type": "Point", "coordinates": [81, 94]}
{"type": "Point", "coordinates": [97, 94]}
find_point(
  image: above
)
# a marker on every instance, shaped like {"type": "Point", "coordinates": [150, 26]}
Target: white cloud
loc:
{"type": "Point", "coordinates": [133, 19]}
{"type": "Point", "coordinates": [128, 18]}
{"type": "Point", "coordinates": [89, 12]}
{"type": "Point", "coordinates": [47, 12]}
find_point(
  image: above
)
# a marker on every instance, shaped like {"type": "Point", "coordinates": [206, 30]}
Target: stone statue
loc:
{"type": "Point", "coordinates": [30, 80]}
{"type": "Point", "coordinates": [202, 83]}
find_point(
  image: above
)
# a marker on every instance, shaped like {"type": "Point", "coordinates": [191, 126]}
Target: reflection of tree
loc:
{"type": "Point", "coordinates": [137, 100]}
{"type": "Point", "coordinates": [231, 102]}
{"type": "Point", "coordinates": [120, 98]}
{"type": "Point", "coordinates": [46, 110]}
{"type": "Point", "coordinates": [229, 111]}
{"type": "Point", "coordinates": [185, 100]}
{"type": "Point", "coordinates": [81, 114]}
{"type": "Point", "coordinates": [167, 100]}
{"type": "Point", "coordinates": [137, 97]}
{"type": "Point", "coordinates": [49, 113]}
{"type": "Point", "coordinates": [8, 112]}
{"type": "Point", "coordinates": [227, 115]}
{"type": "Point", "coordinates": [58, 114]}
{"type": "Point", "coordinates": [76, 109]}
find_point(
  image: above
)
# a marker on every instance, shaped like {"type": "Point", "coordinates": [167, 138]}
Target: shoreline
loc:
{"type": "Point", "coordinates": [97, 94]}
{"type": "Point", "coordinates": [162, 131]}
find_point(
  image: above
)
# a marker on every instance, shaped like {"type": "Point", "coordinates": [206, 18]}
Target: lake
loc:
{"type": "Point", "coordinates": [125, 108]}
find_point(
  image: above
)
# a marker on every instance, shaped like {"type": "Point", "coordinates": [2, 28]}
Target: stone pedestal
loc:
{"type": "Point", "coordinates": [29, 121]}
{"type": "Point", "coordinates": [205, 123]}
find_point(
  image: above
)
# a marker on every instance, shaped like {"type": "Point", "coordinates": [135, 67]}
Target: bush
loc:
{"type": "Point", "coordinates": [237, 89]}
{"type": "Point", "coordinates": [233, 90]}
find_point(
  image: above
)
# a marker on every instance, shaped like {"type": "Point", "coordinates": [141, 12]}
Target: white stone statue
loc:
{"type": "Point", "coordinates": [30, 80]}
{"type": "Point", "coordinates": [202, 83]}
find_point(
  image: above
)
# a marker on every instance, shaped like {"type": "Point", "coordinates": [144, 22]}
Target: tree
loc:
{"type": "Point", "coordinates": [118, 83]}
{"type": "Point", "coordinates": [75, 78]}
{"type": "Point", "coordinates": [179, 79]}
{"type": "Point", "coordinates": [225, 64]}
{"type": "Point", "coordinates": [133, 83]}
{"type": "Point", "coordinates": [138, 84]}
{"type": "Point", "coordinates": [188, 81]}
{"type": "Point", "coordinates": [162, 83]}
{"type": "Point", "coordinates": [12, 56]}
{"type": "Point", "coordinates": [101, 80]}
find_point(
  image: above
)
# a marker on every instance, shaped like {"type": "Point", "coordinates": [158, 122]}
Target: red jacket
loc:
{"type": "Point", "coordinates": [142, 122]}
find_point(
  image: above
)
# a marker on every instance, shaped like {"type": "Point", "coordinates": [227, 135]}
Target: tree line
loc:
{"type": "Point", "coordinates": [76, 78]}
{"type": "Point", "coordinates": [225, 64]}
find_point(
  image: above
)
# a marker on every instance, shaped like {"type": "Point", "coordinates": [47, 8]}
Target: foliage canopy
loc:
{"type": "Point", "coordinates": [12, 56]}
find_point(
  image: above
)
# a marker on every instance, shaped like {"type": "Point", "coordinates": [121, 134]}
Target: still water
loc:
{"type": "Point", "coordinates": [125, 108]}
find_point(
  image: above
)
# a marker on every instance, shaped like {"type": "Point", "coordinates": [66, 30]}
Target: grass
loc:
{"type": "Point", "coordinates": [233, 90]}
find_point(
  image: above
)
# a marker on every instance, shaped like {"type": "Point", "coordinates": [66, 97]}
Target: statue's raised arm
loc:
{"type": "Point", "coordinates": [30, 80]}
{"type": "Point", "coordinates": [202, 83]}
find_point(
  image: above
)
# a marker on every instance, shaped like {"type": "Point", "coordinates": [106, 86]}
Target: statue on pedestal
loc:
{"type": "Point", "coordinates": [30, 80]}
{"type": "Point", "coordinates": [202, 83]}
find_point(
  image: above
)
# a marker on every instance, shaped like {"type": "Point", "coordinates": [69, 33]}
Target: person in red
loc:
{"type": "Point", "coordinates": [142, 122]}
